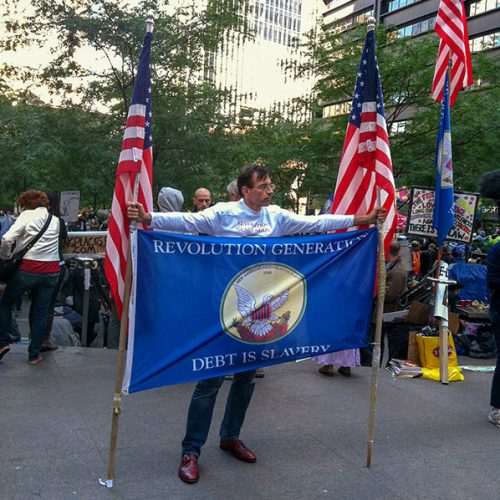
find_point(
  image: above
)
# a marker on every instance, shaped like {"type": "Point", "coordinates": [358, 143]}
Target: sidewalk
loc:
{"type": "Point", "coordinates": [309, 433]}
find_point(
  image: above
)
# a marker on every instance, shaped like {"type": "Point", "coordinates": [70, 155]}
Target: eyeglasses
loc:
{"type": "Point", "coordinates": [266, 187]}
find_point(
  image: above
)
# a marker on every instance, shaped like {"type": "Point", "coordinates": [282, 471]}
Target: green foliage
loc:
{"type": "Point", "coordinates": [406, 68]}
{"type": "Point", "coordinates": [187, 124]}
{"type": "Point", "coordinates": [61, 149]}
{"type": "Point", "coordinates": [76, 145]}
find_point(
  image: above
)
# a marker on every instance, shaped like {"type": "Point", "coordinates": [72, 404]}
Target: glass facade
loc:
{"type": "Point", "coordinates": [417, 28]}
{"type": "Point", "coordinates": [278, 20]}
{"type": "Point", "coordinates": [485, 42]}
{"type": "Point", "coordinates": [349, 22]}
{"type": "Point", "coordinates": [399, 4]}
{"type": "Point", "coordinates": [482, 6]}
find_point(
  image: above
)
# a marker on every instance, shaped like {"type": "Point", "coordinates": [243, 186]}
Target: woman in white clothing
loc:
{"type": "Point", "coordinates": [39, 270]}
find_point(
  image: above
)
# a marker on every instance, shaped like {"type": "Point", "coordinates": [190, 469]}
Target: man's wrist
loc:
{"type": "Point", "coordinates": [148, 219]}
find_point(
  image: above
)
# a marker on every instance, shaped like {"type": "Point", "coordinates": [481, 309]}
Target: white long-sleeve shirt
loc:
{"type": "Point", "coordinates": [235, 219]}
{"type": "Point", "coordinates": [25, 228]}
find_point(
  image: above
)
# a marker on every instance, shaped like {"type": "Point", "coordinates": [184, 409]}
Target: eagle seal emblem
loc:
{"type": "Point", "coordinates": [263, 303]}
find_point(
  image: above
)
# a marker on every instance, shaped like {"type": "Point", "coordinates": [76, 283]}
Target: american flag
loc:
{"type": "Point", "coordinates": [136, 159]}
{"type": "Point", "coordinates": [451, 26]}
{"type": "Point", "coordinates": [365, 177]}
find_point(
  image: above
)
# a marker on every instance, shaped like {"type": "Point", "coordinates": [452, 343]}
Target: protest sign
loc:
{"type": "Point", "coordinates": [422, 208]}
{"type": "Point", "coordinates": [69, 205]}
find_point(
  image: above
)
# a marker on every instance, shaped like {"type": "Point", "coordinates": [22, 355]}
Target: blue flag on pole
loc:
{"type": "Point", "coordinates": [444, 216]}
{"type": "Point", "coordinates": [205, 307]}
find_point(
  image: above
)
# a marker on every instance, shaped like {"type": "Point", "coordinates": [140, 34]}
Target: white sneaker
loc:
{"type": "Point", "coordinates": [494, 416]}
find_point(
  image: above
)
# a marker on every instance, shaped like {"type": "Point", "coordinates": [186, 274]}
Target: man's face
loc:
{"type": "Point", "coordinates": [202, 199]}
{"type": "Point", "coordinates": [260, 194]}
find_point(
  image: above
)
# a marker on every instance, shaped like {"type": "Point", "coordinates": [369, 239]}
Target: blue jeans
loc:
{"type": "Point", "coordinates": [202, 405]}
{"type": "Point", "coordinates": [41, 287]}
{"type": "Point", "coordinates": [495, 384]}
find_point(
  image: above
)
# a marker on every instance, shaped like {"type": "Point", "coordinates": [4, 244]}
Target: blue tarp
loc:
{"type": "Point", "coordinates": [472, 277]}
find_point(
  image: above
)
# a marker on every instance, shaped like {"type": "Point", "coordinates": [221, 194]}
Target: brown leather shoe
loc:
{"type": "Point", "coordinates": [326, 370]}
{"type": "Point", "coordinates": [188, 470]}
{"type": "Point", "coordinates": [345, 371]}
{"type": "Point", "coordinates": [238, 449]}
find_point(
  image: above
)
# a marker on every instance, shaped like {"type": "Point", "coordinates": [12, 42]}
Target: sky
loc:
{"type": "Point", "coordinates": [35, 57]}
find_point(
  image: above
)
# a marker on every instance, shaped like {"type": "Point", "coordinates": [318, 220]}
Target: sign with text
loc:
{"type": "Point", "coordinates": [422, 208]}
{"type": "Point", "coordinates": [86, 243]}
{"type": "Point", "coordinates": [69, 205]}
{"type": "Point", "coordinates": [204, 307]}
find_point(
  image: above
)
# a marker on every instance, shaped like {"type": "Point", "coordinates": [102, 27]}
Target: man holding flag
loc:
{"type": "Point", "coordinates": [252, 216]}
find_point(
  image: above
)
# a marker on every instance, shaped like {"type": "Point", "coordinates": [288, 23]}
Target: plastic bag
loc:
{"type": "Point", "coordinates": [454, 374]}
{"type": "Point", "coordinates": [428, 350]}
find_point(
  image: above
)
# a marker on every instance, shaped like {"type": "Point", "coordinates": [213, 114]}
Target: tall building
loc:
{"type": "Point", "coordinates": [256, 71]}
{"type": "Point", "coordinates": [412, 18]}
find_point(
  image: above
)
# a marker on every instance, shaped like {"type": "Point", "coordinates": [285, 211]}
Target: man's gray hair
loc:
{"type": "Point", "coordinates": [232, 187]}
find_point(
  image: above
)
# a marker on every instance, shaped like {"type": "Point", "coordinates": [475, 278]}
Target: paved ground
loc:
{"type": "Point", "coordinates": [309, 433]}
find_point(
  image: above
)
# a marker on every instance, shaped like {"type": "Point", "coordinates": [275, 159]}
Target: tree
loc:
{"type": "Point", "coordinates": [62, 149]}
{"type": "Point", "coordinates": [187, 123]}
{"type": "Point", "coordinates": [406, 67]}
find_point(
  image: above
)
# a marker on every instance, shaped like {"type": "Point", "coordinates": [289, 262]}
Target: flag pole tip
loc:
{"type": "Point", "coordinates": [108, 482]}
{"type": "Point", "coordinates": [150, 22]}
{"type": "Point", "coordinates": [371, 21]}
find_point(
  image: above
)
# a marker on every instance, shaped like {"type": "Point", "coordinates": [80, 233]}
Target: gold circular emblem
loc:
{"type": "Point", "coordinates": [263, 303]}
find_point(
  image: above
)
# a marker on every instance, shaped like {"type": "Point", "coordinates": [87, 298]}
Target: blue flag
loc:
{"type": "Point", "coordinates": [205, 307]}
{"type": "Point", "coordinates": [444, 216]}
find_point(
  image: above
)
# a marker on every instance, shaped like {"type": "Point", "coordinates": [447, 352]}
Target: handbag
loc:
{"type": "Point", "coordinates": [8, 267]}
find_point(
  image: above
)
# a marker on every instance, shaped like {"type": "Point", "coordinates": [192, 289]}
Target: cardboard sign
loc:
{"type": "Point", "coordinates": [69, 205]}
{"type": "Point", "coordinates": [86, 243]}
{"type": "Point", "coordinates": [422, 209]}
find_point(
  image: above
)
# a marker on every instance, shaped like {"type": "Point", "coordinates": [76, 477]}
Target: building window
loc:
{"type": "Point", "coordinates": [339, 108]}
{"type": "Point", "coordinates": [398, 127]}
{"type": "Point", "coordinates": [485, 42]}
{"type": "Point", "coordinates": [399, 4]}
{"type": "Point", "coordinates": [417, 28]}
{"type": "Point", "coordinates": [351, 21]}
{"type": "Point", "coordinates": [209, 67]}
{"type": "Point", "coordinates": [482, 6]}
{"type": "Point", "coordinates": [281, 20]}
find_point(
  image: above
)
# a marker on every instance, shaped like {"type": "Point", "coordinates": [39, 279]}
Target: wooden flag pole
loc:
{"type": "Point", "coordinates": [120, 371]}
{"type": "Point", "coordinates": [122, 355]}
{"type": "Point", "coordinates": [376, 343]}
